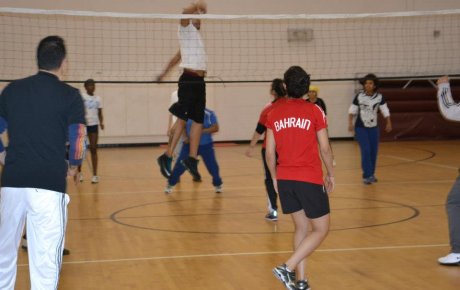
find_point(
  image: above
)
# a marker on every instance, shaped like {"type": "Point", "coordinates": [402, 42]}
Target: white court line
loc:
{"type": "Point", "coordinates": [421, 162]}
{"type": "Point", "coordinates": [404, 182]}
{"type": "Point", "coordinates": [259, 187]}
{"type": "Point", "coordinates": [161, 191]}
{"type": "Point", "coordinates": [246, 254]}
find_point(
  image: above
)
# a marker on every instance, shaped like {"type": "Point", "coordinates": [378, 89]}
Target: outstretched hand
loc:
{"type": "Point", "coordinates": [443, 80]}
{"type": "Point", "coordinates": [201, 6]}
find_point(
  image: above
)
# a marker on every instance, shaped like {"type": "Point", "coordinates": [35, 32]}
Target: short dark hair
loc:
{"type": "Point", "coordinates": [297, 82]}
{"type": "Point", "coordinates": [278, 87]}
{"type": "Point", "coordinates": [89, 82]}
{"type": "Point", "coordinates": [370, 77]}
{"type": "Point", "coordinates": [51, 52]}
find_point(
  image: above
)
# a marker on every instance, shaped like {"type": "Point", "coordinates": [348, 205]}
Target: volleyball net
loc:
{"type": "Point", "coordinates": [135, 48]}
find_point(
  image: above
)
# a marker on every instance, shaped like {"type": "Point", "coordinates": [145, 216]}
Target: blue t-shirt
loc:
{"type": "Point", "coordinates": [210, 119]}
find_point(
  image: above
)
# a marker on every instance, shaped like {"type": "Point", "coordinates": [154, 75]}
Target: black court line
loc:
{"type": "Point", "coordinates": [115, 217]}
{"type": "Point", "coordinates": [430, 155]}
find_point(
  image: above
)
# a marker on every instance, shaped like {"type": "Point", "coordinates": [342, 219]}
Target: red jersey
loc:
{"type": "Point", "coordinates": [263, 118]}
{"type": "Point", "coordinates": [294, 123]}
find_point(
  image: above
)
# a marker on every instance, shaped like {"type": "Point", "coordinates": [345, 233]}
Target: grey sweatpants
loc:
{"type": "Point", "coordinates": [453, 213]}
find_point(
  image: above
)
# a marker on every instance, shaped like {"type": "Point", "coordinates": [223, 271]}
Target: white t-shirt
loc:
{"type": "Point", "coordinates": [192, 51]}
{"type": "Point", "coordinates": [366, 108]}
{"type": "Point", "coordinates": [92, 106]}
{"type": "Point", "coordinates": [449, 109]}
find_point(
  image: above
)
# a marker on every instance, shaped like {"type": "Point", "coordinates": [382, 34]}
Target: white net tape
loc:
{"type": "Point", "coordinates": [116, 47]}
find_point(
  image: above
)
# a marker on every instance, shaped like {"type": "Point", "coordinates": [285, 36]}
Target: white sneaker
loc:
{"type": "Point", "coordinates": [95, 179]}
{"type": "Point", "coordinates": [80, 177]}
{"type": "Point", "coordinates": [451, 259]}
{"type": "Point", "coordinates": [168, 188]}
{"type": "Point", "coordinates": [219, 189]}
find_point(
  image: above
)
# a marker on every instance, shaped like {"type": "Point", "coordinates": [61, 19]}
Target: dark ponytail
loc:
{"type": "Point", "coordinates": [278, 88]}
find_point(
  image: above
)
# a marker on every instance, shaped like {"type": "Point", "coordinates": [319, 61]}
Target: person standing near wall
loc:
{"type": "Point", "coordinates": [94, 120]}
{"type": "Point", "coordinates": [41, 113]}
{"type": "Point", "coordinates": [277, 91]}
{"type": "Point", "coordinates": [313, 97]}
{"type": "Point", "coordinates": [451, 111]}
{"type": "Point", "coordinates": [365, 106]}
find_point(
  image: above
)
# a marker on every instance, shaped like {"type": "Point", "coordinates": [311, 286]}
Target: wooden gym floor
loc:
{"type": "Point", "coordinates": [125, 233]}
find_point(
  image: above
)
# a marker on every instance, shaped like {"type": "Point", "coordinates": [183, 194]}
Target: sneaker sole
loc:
{"type": "Point", "coordinates": [271, 220]}
{"type": "Point", "coordinates": [279, 277]}
{"type": "Point", "coordinates": [309, 288]}
{"type": "Point", "coordinates": [163, 171]}
{"type": "Point", "coordinates": [449, 264]}
{"type": "Point", "coordinates": [195, 177]}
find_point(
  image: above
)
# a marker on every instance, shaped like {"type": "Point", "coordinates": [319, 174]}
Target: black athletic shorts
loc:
{"type": "Point", "coordinates": [297, 195]}
{"type": "Point", "coordinates": [192, 98]}
{"type": "Point", "coordinates": [92, 129]}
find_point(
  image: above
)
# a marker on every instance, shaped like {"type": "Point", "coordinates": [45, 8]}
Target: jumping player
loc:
{"type": "Point", "coordinates": [191, 92]}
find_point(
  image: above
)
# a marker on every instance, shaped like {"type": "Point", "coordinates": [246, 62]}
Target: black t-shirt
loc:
{"type": "Point", "coordinates": [38, 111]}
{"type": "Point", "coordinates": [320, 103]}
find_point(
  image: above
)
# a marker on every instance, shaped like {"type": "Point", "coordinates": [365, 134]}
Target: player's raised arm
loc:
{"type": "Point", "coordinates": [197, 7]}
{"type": "Point", "coordinates": [447, 106]}
{"type": "Point", "coordinates": [172, 63]}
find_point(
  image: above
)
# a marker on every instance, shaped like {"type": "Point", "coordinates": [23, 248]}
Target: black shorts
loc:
{"type": "Point", "coordinates": [192, 98]}
{"type": "Point", "coordinates": [297, 195]}
{"type": "Point", "coordinates": [92, 129]}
